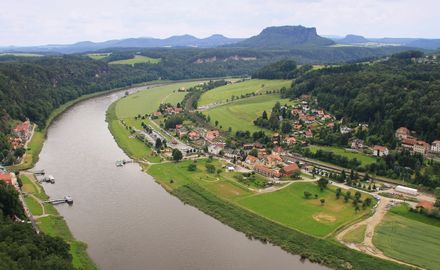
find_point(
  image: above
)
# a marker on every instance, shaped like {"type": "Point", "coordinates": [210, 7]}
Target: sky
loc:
{"type": "Point", "coordinates": [38, 22]}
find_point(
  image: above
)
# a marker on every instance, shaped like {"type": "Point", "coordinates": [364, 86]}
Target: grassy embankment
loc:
{"type": "Point", "coordinates": [356, 236]}
{"type": "Point", "coordinates": [363, 158]}
{"type": "Point", "coordinates": [52, 223]}
{"type": "Point", "coordinates": [137, 59]}
{"type": "Point", "coordinates": [222, 197]}
{"type": "Point", "coordinates": [409, 237]}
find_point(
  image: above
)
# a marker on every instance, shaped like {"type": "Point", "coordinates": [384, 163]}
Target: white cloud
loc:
{"type": "Point", "coordinates": [30, 22]}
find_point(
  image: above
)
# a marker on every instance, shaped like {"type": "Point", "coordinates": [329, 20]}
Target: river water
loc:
{"type": "Point", "coordinates": [129, 221]}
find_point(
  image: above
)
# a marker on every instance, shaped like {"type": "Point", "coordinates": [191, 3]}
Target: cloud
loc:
{"type": "Point", "coordinates": [30, 22]}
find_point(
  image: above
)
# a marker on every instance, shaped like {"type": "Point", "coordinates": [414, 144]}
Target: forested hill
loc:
{"type": "Point", "coordinates": [34, 88]}
{"type": "Point", "coordinates": [402, 91]}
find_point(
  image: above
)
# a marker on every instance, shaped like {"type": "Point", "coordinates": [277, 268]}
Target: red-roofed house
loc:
{"type": "Point", "coordinates": [23, 130]}
{"type": "Point", "coordinates": [6, 177]}
{"type": "Point", "coordinates": [309, 133]}
{"type": "Point", "coordinates": [290, 140]}
{"type": "Point", "coordinates": [421, 147]}
{"type": "Point", "coordinates": [251, 160]}
{"type": "Point", "coordinates": [212, 134]}
{"type": "Point", "coordinates": [266, 171]}
{"type": "Point", "coordinates": [426, 205]}
{"type": "Point", "coordinates": [179, 126]}
{"type": "Point", "coordinates": [290, 169]}
{"type": "Point", "coordinates": [193, 135]}
{"type": "Point", "coordinates": [402, 133]}
{"type": "Point", "coordinates": [380, 151]}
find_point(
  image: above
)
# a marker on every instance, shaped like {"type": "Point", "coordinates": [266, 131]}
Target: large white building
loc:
{"type": "Point", "coordinates": [407, 190]}
{"type": "Point", "coordinates": [435, 147]}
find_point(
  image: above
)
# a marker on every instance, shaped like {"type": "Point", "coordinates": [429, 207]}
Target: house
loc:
{"type": "Point", "coordinates": [290, 140]}
{"type": "Point", "coordinates": [380, 151]}
{"type": "Point", "coordinates": [179, 126]}
{"type": "Point", "coordinates": [6, 177]}
{"type": "Point", "coordinates": [251, 160]}
{"type": "Point", "coordinates": [193, 135]}
{"type": "Point", "coordinates": [157, 114]}
{"type": "Point", "coordinates": [181, 132]}
{"type": "Point", "coordinates": [215, 149]}
{"type": "Point", "coordinates": [266, 171]}
{"type": "Point", "coordinates": [230, 168]}
{"type": "Point", "coordinates": [357, 144]}
{"type": "Point", "coordinates": [402, 133]}
{"type": "Point", "coordinates": [408, 143]}
{"type": "Point", "coordinates": [345, 130]}
{"type": "Point", "coordinates": [421, 147]}
{"type": "Point", "coordinates": [275, 138]}
{"type": "Point", "coordinates": [23, 130]}
{"type": "Point", "coordinates": [425, 204]}
{"type": "Point", "coordinates": [248, 146]}
{"type": "Point", "coordinates": [290, 169]}
{"type": "Point", "coordinates": [278, 150]}
{"type": "Point", "coordinates": [273, 159]}
{"type": "Point", "coordinates": [308, 133]}
{"type": "Point", "coordinates": [181, 89]}
{"type": "Point", "coordinates": [16, 143]}
{"type": "Point", "coordinates": [435, 146]}
{"type": "Point", "coordinates": [212, 134]}
{"type": "Point", "coordinates": [331, 125]}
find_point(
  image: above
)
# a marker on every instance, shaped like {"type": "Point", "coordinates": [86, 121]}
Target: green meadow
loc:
{"type": "Point", "coordinates": [148, 101]}
{"type": "Point", "coordinates": [363, 158]}
{"type": "Point", "coordinates": [289, 207]}
{"type": "Point", "coordinates": [221, 94]}
{"type": "Point", "coordinates": [409, 237]}
{"type": "Point", "coordinates": [137, 59]}
{"type": "Point", "coordinates": [239, 115]}
{"type": "Point", "coordinates": [98, 56]}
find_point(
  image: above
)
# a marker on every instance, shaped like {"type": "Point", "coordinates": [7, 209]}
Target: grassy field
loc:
{"type": "Point", "coordinates": [137, 59]}
{"type": "Point", "coordinates": [289, 207]}
{"type": "Point", "coordinates": [131, 145]}
{"type": "Point", "coordinates": [409, 237]}
{"type": "Point", "coordinates": [240, 115]}
{"type": "Point", "coordinates": [363, 158]}
{"type": "Point", "coordinates": [33, 206]}
{"type": "Point", "coordinates": [98, 56]}
{"type": "Point", "coordinates": [356, 236]}
{"type": "Point", "coordinates": [22, 54]}
{"type": "Point", "coordinates": [148, 101]}
{"type": "Point", "coordinates": [221, 94]}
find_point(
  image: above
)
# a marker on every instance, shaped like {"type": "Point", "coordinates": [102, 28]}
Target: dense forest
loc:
{"type": "Point", "coordinates": [401, 91]}
{"type": "Point", "coordinates": [20, 246]}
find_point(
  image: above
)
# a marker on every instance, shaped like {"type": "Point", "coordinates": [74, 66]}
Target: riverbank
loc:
{"type": "Point", "coordinates": [209, 194]}
{"type": "Point", "coordinates": [49, 221]}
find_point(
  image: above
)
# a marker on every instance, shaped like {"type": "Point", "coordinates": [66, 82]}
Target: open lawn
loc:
{"type": "Point", "coordinates": [409, 237]}
{"type": "Point", "coordinates": [356, 236]}
{"type": "Point", "coordinates": [240, 115]}
{"type": "Point", "coordinates": [223, 185]}
{"type": "Point", "coordinates": [289, 207]}
{"type": "Point", "coordinates": [98, 56]}
{"type": "Point", "coordinates": [148, 101]}
{"type": "Point", "coordinates": [33, 206]}
{"type": "Point", "coordinates": [221, 94]}
{"type": "Point", "coordinates": [137, 59]}
{"type": "Point", "coordinates": [363, 158]}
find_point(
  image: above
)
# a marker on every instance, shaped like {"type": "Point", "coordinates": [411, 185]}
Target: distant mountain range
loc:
{"type": "Point", "coordinates": [422, 43]}
{"type": "Point", "coordinates": [88, 46]}
{"type": "Point", "coordinates": [271, 38]}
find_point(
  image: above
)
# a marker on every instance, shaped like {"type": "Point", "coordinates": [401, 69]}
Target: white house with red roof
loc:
{"type": "Point", "coordinates": [380, 151]}
{"type": "Point", "coordinates": [435, 146]}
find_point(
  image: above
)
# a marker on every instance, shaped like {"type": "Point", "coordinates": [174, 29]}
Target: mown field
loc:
{"type": "Point", "coordinates": [137, 59]}
{"type": "Point", "coordinates": [290, 208]}
{"type": "Point", "coordinates": [363, 158]}
{"type": "Point", "coordinates": [98, 56]}
{"type": "Point", "coordinates": [240, 115]}
{"type": "Point", "coordinates": [356, 236]}
{"type": "Point", "coordinates": [409, 237]}
{"type": "Point", "coordinates": [148, 101]}
{"type": "Point", "coordinates": [221, 94]}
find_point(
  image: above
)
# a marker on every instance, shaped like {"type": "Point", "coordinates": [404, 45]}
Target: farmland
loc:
{"type": "Point", "coordinates": [289, 207]}
{"type": "Point", "coordinates": [240, 115]}
{"type": "Point", "coordinates": [137, 59]}
{"type": "Point", "coordinates": [148, 101]}
{"type": "Point", "coordinates": [221, 94]}
{"type": "Point", "coordinates": [363, 158]}
{"type": "Point", "coordinates": [98, 56]}
{"type": "Point", "coordinates": [409, 237]}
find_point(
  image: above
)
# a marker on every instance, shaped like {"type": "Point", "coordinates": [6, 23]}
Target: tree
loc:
{"type": "Point", "coordinates": [192, 167]}
{"type": "Point", "coordinates": [219, 171]}
{"type": "Point", "coordinates": [322, 201]}
{"type": "Point", "coordinates": [177, 155]}
{"type": "Point", "coordinates": [216, 123]}
{"type": "Point", "coordinates": [210, 168]}
{"type": "Point", "coordinates": [322, 183]}
{"type": "Point", "coordinates": [338, 193]}
{"type": "Point", "coordinates": [254, 152]}
{"type": "Point", "coordinates": [307, 194]}
{"type": "Point", "coordinates": [158, 144]}
{"type": "Point", "coordinates": [264, 115]}
{"type": "Point", "coordinates": [286, 127]}
{"type": "Point", "coordinates": [357, 196]}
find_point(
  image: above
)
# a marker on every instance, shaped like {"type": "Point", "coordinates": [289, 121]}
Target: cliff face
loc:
{"type": "Point", "coordinates": [286, 37]}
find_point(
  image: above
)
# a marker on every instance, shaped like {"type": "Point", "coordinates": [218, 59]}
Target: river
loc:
{"type": "Point", "coordinates": [128, 220]}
